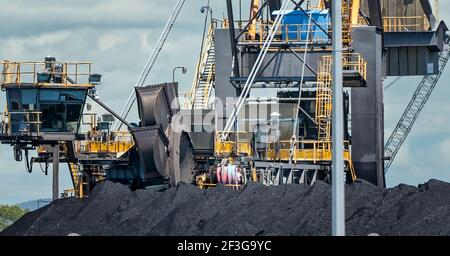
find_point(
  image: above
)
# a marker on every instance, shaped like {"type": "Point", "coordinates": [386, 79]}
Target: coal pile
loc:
{"type": "Point", "coordinates": [112, 209]}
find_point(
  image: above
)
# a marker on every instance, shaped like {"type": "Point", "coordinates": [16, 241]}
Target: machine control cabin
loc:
{"type": "Point", "coordinates": [45, 100]}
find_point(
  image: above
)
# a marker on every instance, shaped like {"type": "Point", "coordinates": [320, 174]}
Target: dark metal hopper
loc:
{"type": "Point", "coordinates": [155, 104]}
{"type": "Point", "coordinates": [151, 145]}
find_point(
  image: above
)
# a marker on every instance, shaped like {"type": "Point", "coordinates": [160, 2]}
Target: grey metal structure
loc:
{"type": "Point", "coordinates": [288, 143]}
{"type": "Point", "coordinates": [367, 110]}
{"type": "Point", "coordinates": [387, 52]}
{"type": "Point", "coordinates": [392, 52]}
{"type": "Point", "coordinates": [412, 111]}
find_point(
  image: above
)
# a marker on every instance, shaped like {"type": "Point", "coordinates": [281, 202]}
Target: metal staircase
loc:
{"type": "Point", "coordinates": [412, 111]}
{"type": "Point", "coordinates": [204, 77]}
{"type": "Point", "coordinates": [77, 180]}
{"type": "Point", "coordinates": [324, 99]}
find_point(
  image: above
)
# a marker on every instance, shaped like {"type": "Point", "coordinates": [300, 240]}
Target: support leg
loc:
{"type": "Point", "coordinates": [56, 172]}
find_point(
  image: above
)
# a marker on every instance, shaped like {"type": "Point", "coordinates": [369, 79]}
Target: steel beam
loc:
{"type": "Point", "coordinates": [233, 38]}
{"type": "Point", "coordinates": [110, 111]}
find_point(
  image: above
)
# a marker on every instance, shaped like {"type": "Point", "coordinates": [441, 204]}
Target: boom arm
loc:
{"type": "Point", "coordinates": [151, 61]}
{"type": "Point", "coordinates": [412, 111]}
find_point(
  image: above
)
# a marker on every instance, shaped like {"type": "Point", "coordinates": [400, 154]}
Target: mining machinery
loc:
{"type": "Point", "coordinates": [223, 130]}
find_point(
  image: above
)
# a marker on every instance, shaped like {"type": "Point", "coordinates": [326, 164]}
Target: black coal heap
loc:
{"type": "Point", "coordinates": [112, 209]}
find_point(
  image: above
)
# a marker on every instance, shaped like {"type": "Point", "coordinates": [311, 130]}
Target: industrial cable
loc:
{"type": "Point", "coordinates": [255, 69]}
{"type": "Point", "coordinates": [303, 75]}
{"type": "Point", "coordinates": [28, 166]}
{"type": "Point", "coordinates": [300, 87]}
{"type": "Point", "coordinates": [392, 83]}
{"type": "Point", "coordinates": [151, 61]}
{"type": "Point", "coordinates": [42, 169]}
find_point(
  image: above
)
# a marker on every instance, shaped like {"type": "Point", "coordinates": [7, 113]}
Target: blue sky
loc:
{"type": "Point", "coordinates": [118, 36]}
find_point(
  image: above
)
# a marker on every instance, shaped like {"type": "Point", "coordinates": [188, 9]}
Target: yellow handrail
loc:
{"type": "Point", "coordinates": [26, 72]}
{"type": "Point", "coordinates": [208, 85]}
{"type": "Point", "coordinates": [201, 64]}
{"type": "Point", "coordinates": [30, 118]}
{"type": "Point", "coordinates": [406, 23]}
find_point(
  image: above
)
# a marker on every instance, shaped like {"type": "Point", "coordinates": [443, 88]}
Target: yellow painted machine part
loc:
{"type": "Point", "coordinates": [406, 23]}
{"type": "Point", "coordinates": [224, 148]}
{"type": "Point", "coordinates": [77, 183]}
{"type": "Point", "coordinates": [321, 5]}
{"type": "Point", "coordinates": [112, 147]}
{"type": "Point", "coordinates": [228, 147]}
{"type": "Point", "coordinates": [254, 175]}
{"type": "Point", "coordinates": [355, 12]}
{"type": "Point", "coordinates": [254, 10]}
{"type": "Point", "coordinates": [321, 151]}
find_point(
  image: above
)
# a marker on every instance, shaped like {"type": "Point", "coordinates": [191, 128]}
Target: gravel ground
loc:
{"type": "Point", "coordinates": [112, 209]}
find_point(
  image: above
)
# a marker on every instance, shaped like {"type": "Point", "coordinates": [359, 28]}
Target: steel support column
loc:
{"type": "Point", "coordinates": [338, 183]}
{"type": "Point", "coordinates": [56, 172]}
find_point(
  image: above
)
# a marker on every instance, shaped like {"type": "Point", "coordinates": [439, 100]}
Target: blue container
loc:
{"type": "Point", "coordinates": [295, 26]}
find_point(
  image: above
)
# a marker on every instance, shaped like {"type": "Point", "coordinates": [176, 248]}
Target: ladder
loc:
{"type": "Point", "coordinates": [324, 99]}
{"type": "Point", "coordinates": [412, 111]}
{"type": "Point", "coordinates": [203, 82]}
{"type": "Point", "coordinates": [346, 24]}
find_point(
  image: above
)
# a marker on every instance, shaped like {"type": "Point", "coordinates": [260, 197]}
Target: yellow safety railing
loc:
{"type": "Point", "coordinates": [115, 143]}
{"type": "Point", "coordinates": [297, 33]}
{"type": "Point", "coordinates": [324, 98]}
{"type": "Point", "coordinates": [355, 62]}
{"type": "Point", "coordinates": [77, 178]}
{"type": "Point", "coordinates": [209, 81]}
{"type": "Point", "coordinates": [91, 120]}
{"type": "Point", "coordinates": [228, 147]}
{"type": "Point", "coordinates": [30, 118]}
{"type": "Point", "coordinates": [307, 151]}
{"type": "Point", "coordinates": [70, 73]}
{"type": "Point", "coordinates": [350, 62]}
{"type": "Point", "coordinates": [406, 23]}
{"type": "Point", "coordinates": [201, 65]}
{"type": "Point", "coordinates": [288, 33]}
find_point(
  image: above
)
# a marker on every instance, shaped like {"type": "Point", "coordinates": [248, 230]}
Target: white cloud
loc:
{"type": "Point", "coordinates": [110, 42]}
{"type": "Point", "coordinates": [403, 158]}
{"type": "Point", "coordinates": [444, 150]}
